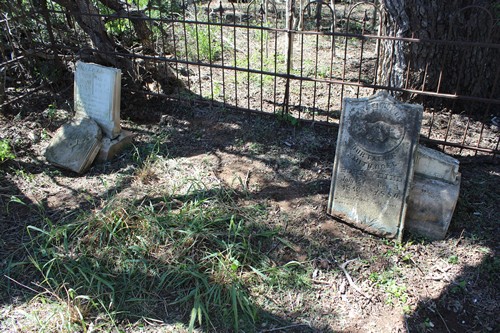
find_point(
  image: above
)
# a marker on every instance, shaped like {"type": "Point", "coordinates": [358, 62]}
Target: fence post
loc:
{"type": "Point", "coordinates": [289, 53]}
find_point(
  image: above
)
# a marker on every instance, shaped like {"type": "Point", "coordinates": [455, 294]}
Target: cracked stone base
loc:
{"type": "Point", "coordinates": [111, 147]}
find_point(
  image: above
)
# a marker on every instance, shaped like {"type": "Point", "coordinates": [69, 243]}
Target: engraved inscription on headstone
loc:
{"type": "Point", "coordinates": [373, 165]}
{"type": "Point", "coordinates": [97, 96]}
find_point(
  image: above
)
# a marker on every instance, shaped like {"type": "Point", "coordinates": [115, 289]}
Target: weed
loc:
{"type": "Point", "coordinates": [202, 43]}
{"type": "Point", "coordinates": [51, 111]}
{"type": "Point", "coordinates": [44, 135]}
{"type": "Point", "coordinates": [453, 259]}
{"type": "Point", "coordinates": [217, 89]}
{"type": "Point", "coordinates": [428, 323]}
{"type": "Point", "coordinates": [395, 291]}
{"type": "Point", "coordinates": [256, 148]}
{"type": "Point", "coordinates": [288, 118]}
{"type": "Point", "coordinates": [29, 177]}
{"type": "Point", "coordinates": [459, 286]}
{"type": "Point", "coordinates": [5, 151]}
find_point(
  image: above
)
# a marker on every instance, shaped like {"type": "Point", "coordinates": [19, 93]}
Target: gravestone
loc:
{"type": "Point", "coordinates": [433, 194]}
{"type": "Point", "coordinates": [75, 145]}
{"type": "Point", "coordinates": [97, 112]}
{"type": "Point", "coordinates": [97, 96]}
{"type": "Point", "coordinates": [373, 165]}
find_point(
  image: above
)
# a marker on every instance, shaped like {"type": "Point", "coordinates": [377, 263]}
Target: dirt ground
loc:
{"type": "Point", "coordinates": [417, 286]}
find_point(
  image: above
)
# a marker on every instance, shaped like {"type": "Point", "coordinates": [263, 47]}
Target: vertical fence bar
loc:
{"type": "Point", "coordinates": [221, 12]}
{"type": "Point", "coordinates": [235, 48]}
{"type": "Point", "coordinates": [186, 51]}
{"type": "Point", "coordinates": [249, 51]}
{"type": "Point", "coordinates": [196, 22]}
{"type": "Point", "coordinates": [289, 55]}
{"type": "Point", "coordinates": [275, 87]}
{"type": "Point", "coordinates": [261, 54]}
{"type": "Point", "coordinates": [210, 60]}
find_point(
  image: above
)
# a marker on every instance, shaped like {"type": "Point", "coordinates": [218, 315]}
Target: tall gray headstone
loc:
{"type": "Point", "coordinates": [374, 161]}
{"type": "Point", "coordinates": [97, 96]}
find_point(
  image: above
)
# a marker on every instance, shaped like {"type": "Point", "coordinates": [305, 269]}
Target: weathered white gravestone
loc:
{"type": "Point", "coordinates": [97, 96]}
{"type": "Point", "coordinates": [374, 161]}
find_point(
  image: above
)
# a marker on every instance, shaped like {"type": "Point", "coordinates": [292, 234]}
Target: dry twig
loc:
{"type": "Point", "coordinates": [22, 285]}
{"type": "Point", "coordinates": [283, 328]}
{"type": "Point", "coordinates": [351, 282]}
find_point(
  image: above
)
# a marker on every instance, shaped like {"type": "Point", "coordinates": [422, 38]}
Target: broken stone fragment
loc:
{"type": "Point", "coordinates": [433, 193]}
{"type": "Point", "coordinates": [75, 145]}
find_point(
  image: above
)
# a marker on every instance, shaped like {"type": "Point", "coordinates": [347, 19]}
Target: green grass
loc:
{"type": "Point", "coordinates": [6, 151]}
{"type": "Point", "coordinates": [203, 43]}
{"type": "Point", "coordinates": [200, 253]}
{"type": "Point", "coordinates": [395, 290]}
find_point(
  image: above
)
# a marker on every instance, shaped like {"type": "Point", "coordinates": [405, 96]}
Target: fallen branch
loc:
{"type": "Point", "coordinates": [351, 282]}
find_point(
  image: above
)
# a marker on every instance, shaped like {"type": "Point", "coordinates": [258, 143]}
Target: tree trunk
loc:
{"type": "Point", "coordinates": [86, 14]}
{"type": "Point", "coordinates": [441, 68]}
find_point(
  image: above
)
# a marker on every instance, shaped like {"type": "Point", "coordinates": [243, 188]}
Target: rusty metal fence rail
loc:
{"type": "Point", "coordinates": [298, 59]}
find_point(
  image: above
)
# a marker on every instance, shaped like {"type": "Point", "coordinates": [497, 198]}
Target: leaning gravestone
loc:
{"type": "Point", "coordinates": [75, 145]}
{"type": "Point", "coordinates": [373, 166]}
{"type": "Point", "coordinates": [97, 96]}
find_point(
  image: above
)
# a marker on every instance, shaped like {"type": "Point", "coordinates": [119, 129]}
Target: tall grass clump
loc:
{"type": "Point", "coordinates": [203, 43]}
{"type": "Point", "coordinates": [196, 254]}
{"type": "Point", "coordinates": [5, 151]}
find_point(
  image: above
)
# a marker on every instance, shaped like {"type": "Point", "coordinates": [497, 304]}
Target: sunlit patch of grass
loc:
{"type": "Point", "coordinates": [201, 253]}
{"type": "Point", "coordinates": [5, 151]}
{"type": "Point", "coordinates": [395, 290]}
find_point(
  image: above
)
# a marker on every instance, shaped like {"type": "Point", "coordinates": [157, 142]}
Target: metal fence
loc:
{"type": "Point", "coordinates": [298, 60]}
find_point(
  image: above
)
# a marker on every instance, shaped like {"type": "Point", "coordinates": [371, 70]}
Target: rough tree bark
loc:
{"type": "Point", "coordinates": [451, 69]}
{"type": "Point", "coordinates": [87, 16]}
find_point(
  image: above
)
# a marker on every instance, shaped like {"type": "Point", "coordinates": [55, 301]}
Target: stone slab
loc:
{"type": "Point", "coordinates": [97, 93]}
{"type": "Point", "coordinates": [431, 205]}
{"type": "Point", "coordinates": [373, 166]}
{"type": "Point", "coordinates": [437, 165]}
{"type": "Point", "coordinates": [75, 145]}
{"type": "Point", "coordinates": [111, 147]}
